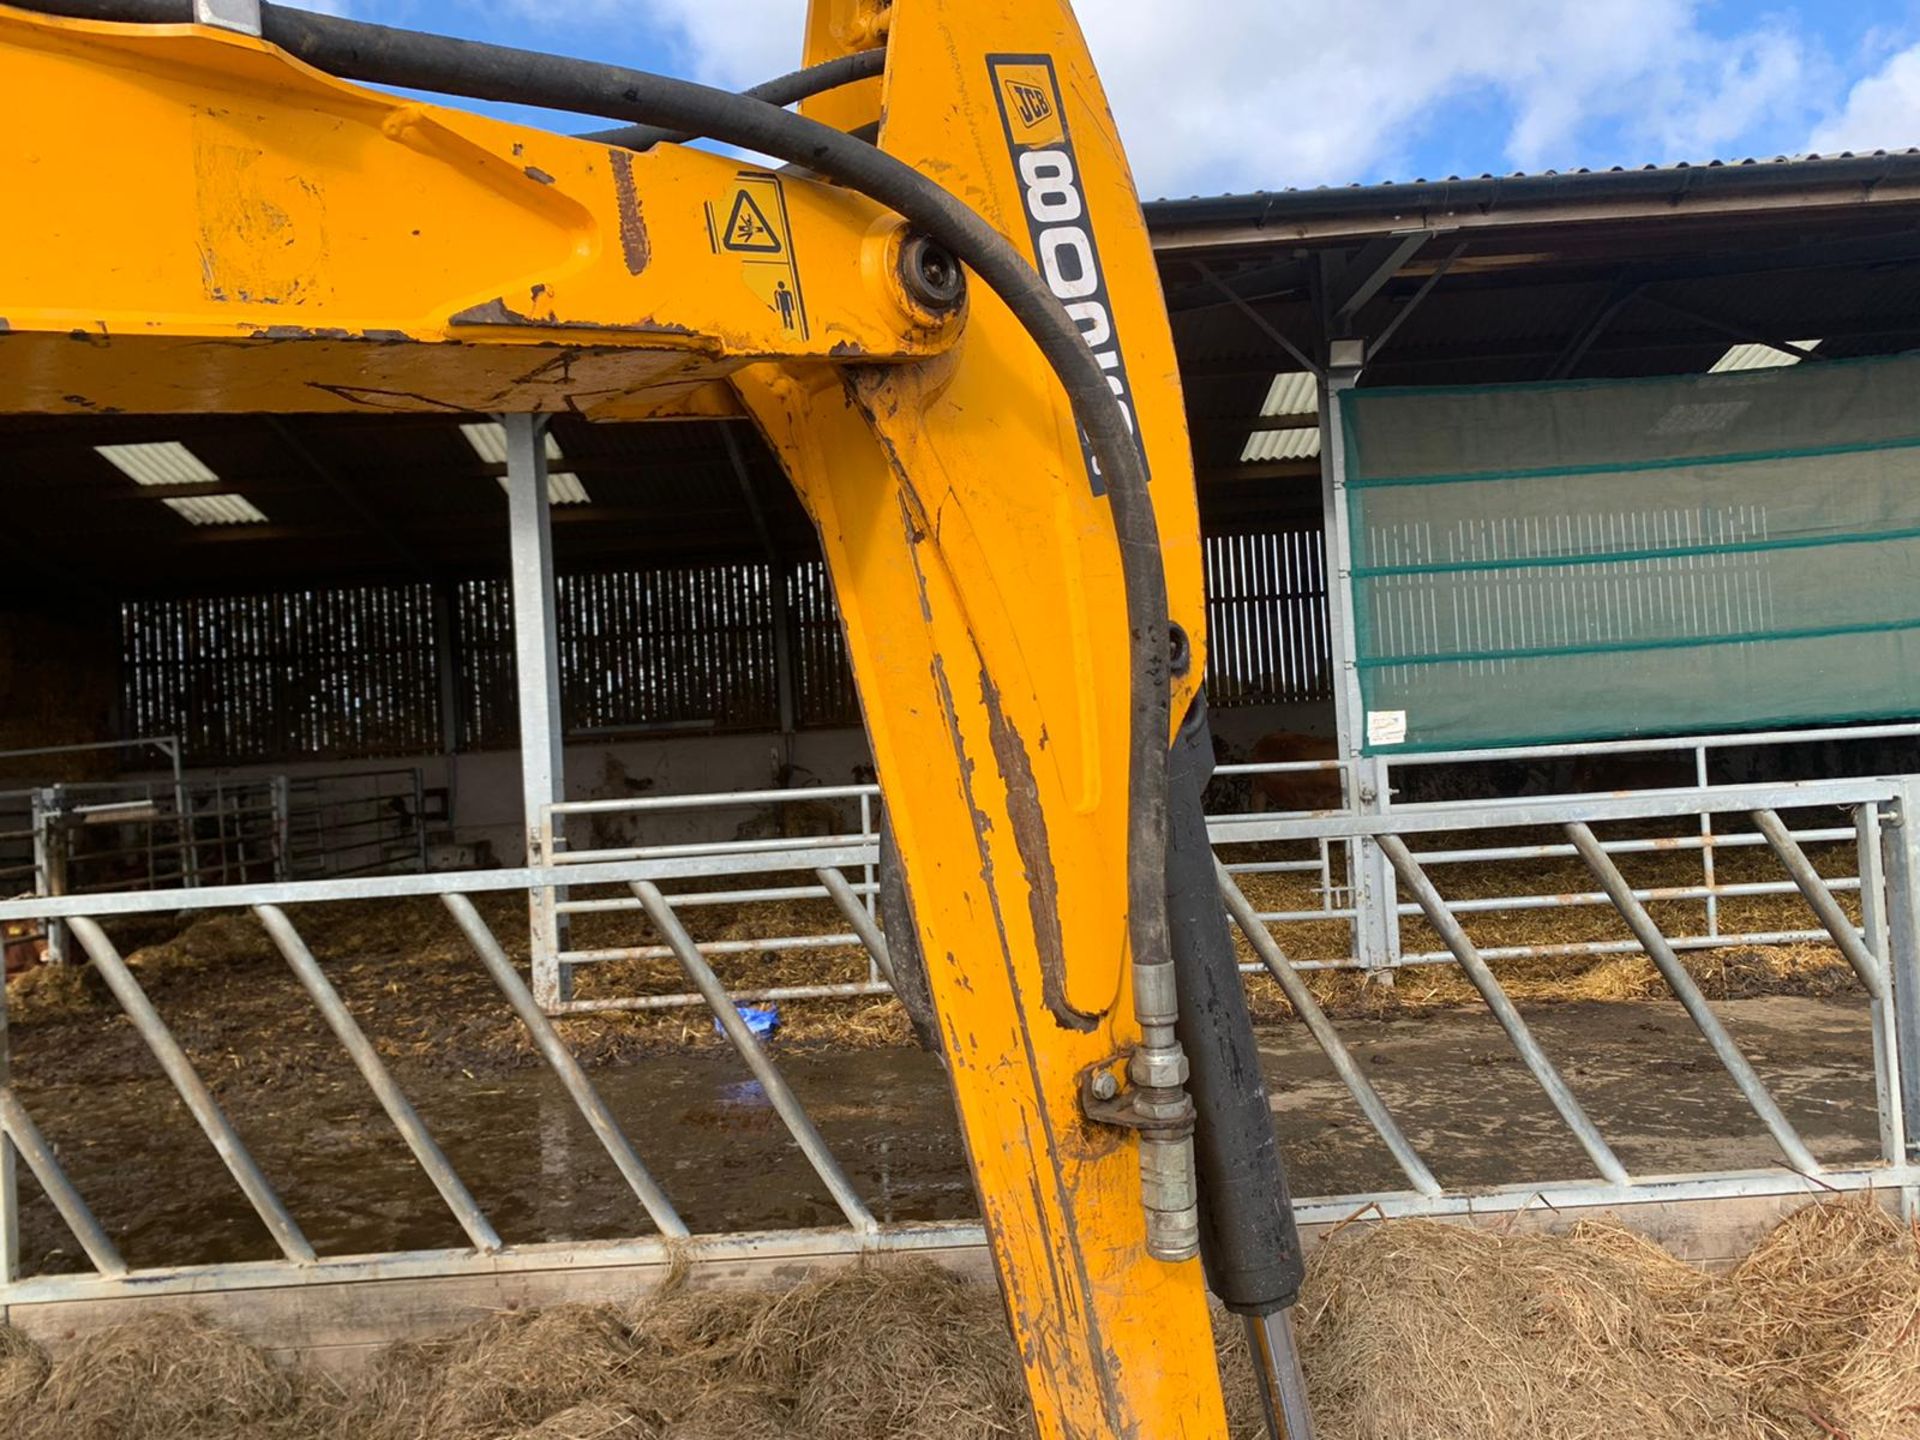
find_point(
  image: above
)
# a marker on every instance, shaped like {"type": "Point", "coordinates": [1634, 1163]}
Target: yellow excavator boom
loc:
{"type": "Point", "coordinates": [203, 219]}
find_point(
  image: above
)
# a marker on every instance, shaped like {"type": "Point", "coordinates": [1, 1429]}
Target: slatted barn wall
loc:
{"type": "Point", "coordinates": [1267, 619]}
{"type": "Point", "coordinates": [351, 672]}
{"type": "Point", "coordinates": [823, 692]}
{"type": "Point", "coordinates": [331, 673]}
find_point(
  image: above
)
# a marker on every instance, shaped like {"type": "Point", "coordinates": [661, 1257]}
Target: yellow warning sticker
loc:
{"type": "Point", "coordinates": [750, 223]}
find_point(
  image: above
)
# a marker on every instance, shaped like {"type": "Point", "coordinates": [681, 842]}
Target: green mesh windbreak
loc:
{"type": "Point", "coordinates": [1536, 563]}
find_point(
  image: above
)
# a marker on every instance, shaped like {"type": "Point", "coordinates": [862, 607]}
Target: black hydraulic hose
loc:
{"type": "Point", "coordinates": [782, 90]}
{"type": "Point", "coordinates": [379, 55]}
{"type": "Point", "coordinates": [1248, 1240]}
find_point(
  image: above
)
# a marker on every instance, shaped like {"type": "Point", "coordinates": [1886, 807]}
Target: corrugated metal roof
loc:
{"type": "Point", "coordinates": [1718, 177]}
{"type": "Point", "coordinates": [1291, 394]}
{"type": "Point", "coordinates": [1303, 444]}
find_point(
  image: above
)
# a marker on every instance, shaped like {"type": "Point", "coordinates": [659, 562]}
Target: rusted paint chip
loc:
{"type": "Point", "coordinates": [633, 230]}
{"type": "Point", "coordinates": [534, 172]}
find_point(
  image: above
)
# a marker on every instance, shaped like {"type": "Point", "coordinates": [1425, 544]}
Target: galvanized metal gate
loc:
{"type": "Point", "coordinates": [1884, 952]}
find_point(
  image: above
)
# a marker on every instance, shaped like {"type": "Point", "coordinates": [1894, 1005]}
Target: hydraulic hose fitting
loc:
{"type": "Point", "coordinates": [1169, 1188]}
{"type": "Point", "coordinates": [1155, 1106]}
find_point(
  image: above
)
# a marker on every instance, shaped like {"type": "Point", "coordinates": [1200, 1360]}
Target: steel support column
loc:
{"type": "Point", "coordinates": [9, 1177]}
{"type": "Point", "coordinates": [50, 864]}
{"type": "Point", "coordinates": [1376, 926]}
{"type": "Point", "coordinates": [1872, 838]}
{"type": "Point", "coordinates": [536, 654]}
{"type": "Point", "coordinates": [281, 789]}
{"type": "Point", "coordinates": [1902, 833]}
{"type": "Point", "coordinates": [777, 571]}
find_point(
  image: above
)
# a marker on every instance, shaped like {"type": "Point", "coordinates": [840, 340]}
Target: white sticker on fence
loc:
{"type": "Point", "coordinates": [1386, 727]}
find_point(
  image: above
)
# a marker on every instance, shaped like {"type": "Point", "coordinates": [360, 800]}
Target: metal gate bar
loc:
{"type": "Point", "coordinates": [1819, 897]}
{"type": "Point", "coordinates": [1484, 980]}
{"type": "Point", "coordinates": [17, 1126]}
{"type": "Point", "coordinates": [792, 1113]}
{"type": "Point", "coordinates": [592, 1108]}
{"type": "Point", "coordinates": [392, 1099]}
{"type": "Point", "coordinates": [1324, 1034]}
{"type": "Point", "coordinates": [1868, 823]}
{"type": "Point", "coordinates": [862, 921]}
{"type": "Point", "coordinates": [192, 1089]}
{"type": "Point", "coordinates": [1731, 1057]}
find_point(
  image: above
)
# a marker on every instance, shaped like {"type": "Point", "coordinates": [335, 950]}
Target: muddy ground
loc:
{"type": "Point", "coordinates": [708, 1133]}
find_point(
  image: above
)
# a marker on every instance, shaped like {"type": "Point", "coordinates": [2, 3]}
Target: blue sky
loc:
{"type": "Point", "coordinates": [1270, 93]}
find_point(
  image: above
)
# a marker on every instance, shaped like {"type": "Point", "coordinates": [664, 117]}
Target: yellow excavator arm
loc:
{"type": "Point", "coordinates": [941, 309]}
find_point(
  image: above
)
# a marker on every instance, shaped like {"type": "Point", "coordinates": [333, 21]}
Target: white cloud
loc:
{"type": "Point", "coordinates": [1269, 93]}
{"type": "Point", "coordinates": [1882, 112]}
{"type": "Point", "coordinates": [735, 43]}
{"type": "Point", "coordinates": [1309, 93]}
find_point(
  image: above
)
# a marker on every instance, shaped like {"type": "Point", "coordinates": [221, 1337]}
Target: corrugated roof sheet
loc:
{"type": "Point", "coordinates": [217, 510]}
{"type": "Point", "coordinates": [1301, 444]}
{"type": "Point", "coordinates": [1291, 393]}
{"type": "Point", "coordinates": [1263, 206]}
{"type": "Point", "coordinates": [563, 488]}
{"type": "Point", "coordinates": [1757, 357]}
{"type": "Point", "coordinates": [489, 441]}
{"type": "Point", "coordinates": [157, 462]}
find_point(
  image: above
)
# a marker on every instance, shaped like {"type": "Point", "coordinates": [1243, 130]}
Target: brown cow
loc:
{"type": "Point", "coordinates": [1295, 789]}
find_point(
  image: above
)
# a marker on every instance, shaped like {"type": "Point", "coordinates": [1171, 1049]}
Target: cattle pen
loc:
{"type": "Point", "coordinates": [462, 977]}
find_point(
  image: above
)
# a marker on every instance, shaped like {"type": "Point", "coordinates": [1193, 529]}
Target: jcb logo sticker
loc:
{"type": "Point", "coordinates": [1028, 101]}
{"type": "Point", "coordinates": [1057, 219]}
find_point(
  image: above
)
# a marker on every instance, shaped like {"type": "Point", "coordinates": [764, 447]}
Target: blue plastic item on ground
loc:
{"type": "Point", "coordinates": [762, 1022]}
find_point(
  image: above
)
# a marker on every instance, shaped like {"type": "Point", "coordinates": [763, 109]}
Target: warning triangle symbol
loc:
{"type": "Point", "coordinates": [748, 228]}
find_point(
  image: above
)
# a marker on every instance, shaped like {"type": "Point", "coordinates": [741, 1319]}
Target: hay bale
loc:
{"type": "Point", "coordinates": [1824, 1320]}
{"type": "Point", "coordinates": [596, 1420]}
{"type": "Point", "coordinates": [906, 1351]}
{"type": "Point", "coordinates": [1411, 1331]}
{"type": "Point", "coordinates": [1422, 1331]}
{"type": "Point", "coordinates": [894, 1351]}
{"type": "Point", "coordinates": [518, 1370]}
{"type": "Point", "coordinates": [163, 1377]}
{"type": "Point", "coordinates": [23, 1369]}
